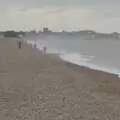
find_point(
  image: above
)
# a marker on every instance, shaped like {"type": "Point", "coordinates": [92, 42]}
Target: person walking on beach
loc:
{"type": "Point", "coordinates": [19, 43]}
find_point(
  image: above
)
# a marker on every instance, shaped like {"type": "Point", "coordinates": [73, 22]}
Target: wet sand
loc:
{"type": "Point", "coordinates": [34, 86]}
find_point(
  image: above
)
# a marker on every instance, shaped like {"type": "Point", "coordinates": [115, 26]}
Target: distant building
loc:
{"type": "Point", "coordinates": [46, 30]}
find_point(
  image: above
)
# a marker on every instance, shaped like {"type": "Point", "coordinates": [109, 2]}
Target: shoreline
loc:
{"type": "Point", "coordinates": [75, 64]}
{"type": "Point", "coordinates": [106, 70]}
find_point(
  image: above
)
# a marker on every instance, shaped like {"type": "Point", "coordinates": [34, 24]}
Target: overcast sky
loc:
{"type": "Point", "coordinates": [99, 15]}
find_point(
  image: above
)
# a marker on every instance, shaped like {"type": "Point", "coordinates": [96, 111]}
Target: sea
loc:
{"type": "Point", "coordinates": [98, 54]}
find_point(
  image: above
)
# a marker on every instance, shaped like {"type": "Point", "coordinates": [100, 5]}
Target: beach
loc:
{"type": "Point", "coordinates": [38, 86]}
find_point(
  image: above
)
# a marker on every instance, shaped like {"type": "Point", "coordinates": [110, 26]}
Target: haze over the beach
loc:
{"type": "Point", "coordinates": [98, 15]}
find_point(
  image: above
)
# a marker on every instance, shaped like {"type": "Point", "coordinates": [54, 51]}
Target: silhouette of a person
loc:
{"type": "Point", "coordinates": [19, 43]}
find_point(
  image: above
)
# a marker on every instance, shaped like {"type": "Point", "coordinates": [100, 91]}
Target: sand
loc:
{"type": "Point", "coordinates": [38, 86]}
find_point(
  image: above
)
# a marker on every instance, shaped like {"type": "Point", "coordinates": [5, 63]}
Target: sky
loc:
{"type": "Point", "coordinates": [69, 15]}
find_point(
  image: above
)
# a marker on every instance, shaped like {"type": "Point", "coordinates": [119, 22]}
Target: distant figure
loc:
{"type": "Point", "coordinates": [45, 48]}
{"type": "Point", "coordinates": [19, 42]}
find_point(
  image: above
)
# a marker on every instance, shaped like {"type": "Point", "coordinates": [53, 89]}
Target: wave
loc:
{"type": "Point", "coordinates": [87, 61]}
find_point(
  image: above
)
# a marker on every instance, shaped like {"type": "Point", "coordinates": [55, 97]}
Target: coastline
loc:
{"type": "Point", "coordinates": [31, 83]}
{"type": "Point", "coordinates": [79, 59]}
